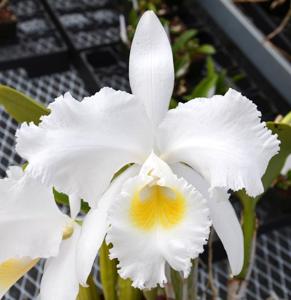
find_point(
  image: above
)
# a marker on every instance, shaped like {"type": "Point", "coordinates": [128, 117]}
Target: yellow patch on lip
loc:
{"type": "Point", "coordinates": [12, 270]}
{"type": "Point", "coordinates": [160, 206]}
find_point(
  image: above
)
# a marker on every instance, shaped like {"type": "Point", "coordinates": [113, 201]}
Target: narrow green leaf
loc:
{"type": "Point", "coordinates": [277, 162]}
{"type": "Point", "coordinates": [182, 65]}
{"type": "Point", "coordinates": [206, 49]}
{"type": "Point", "coordinates": [173, 103]}
{"type": "Point", "coordinates": [21, 107]}
{"type": "Point", "coordinates": [249, 229]}
{"type": "Point", "coordinates": [108, 273]}
{"type": "Point", "coordinates": [133, 18]}
{"type": "Point", "coordinates": [127, 292]}
{"type": "Point", "coordinates": [206, 87]}
{"type": "Point", "coordinates": [210, 66]}
{"type": "Point", "coordinates": [221, 85]}
{"type": "Point", "coordinates": [89, 293]}
{"type": "Point", "coordinates": [152, 6]}
{"type": "Point", "coordinates": [238, 77]}
{"type": "Point", "coordinates": [183, 39]}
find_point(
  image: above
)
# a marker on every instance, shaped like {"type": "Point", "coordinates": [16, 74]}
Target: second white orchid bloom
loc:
{"type": "Point", "coordinates": [33, 227]}
{"type": "Point", "coordinates": [183, 162]}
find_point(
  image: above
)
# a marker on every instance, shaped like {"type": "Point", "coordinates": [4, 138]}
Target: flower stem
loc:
{"type": "Point", "coordinates": [237, 285]}
{"type": "Point", "coordinates": [192, 281]}
{"type": "Point", "coordinates": [190, 284]}
{"type": "Point", "coordinates": [108, 273]}
{"type": "Point", "coordinates": [211, 283]}
{"type": "Point", "coordinates": [169, 289]}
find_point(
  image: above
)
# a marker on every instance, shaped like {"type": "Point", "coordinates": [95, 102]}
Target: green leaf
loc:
{"type": "Point", "coordinates": [221, 85]}
{"type": "Point", "coordinates": [249, 229]}
{"type": "Point", "coordinates": [182, 40]}
{"type": "Point", "coordinates": [90, 292]}
{"type": "Point", "coordinates": [84, 206]}
{"type": "Point", "coordinates": [206, 49]}
{"type": "Point", "coordinates": [210, 66]}
{"type": "Point", "coordinates": [152, 6]}
{"type": "Point", "coordinates": [63, 199]}
{"type": "Point", "coordinates": [108, 273]}
{"type": "Point", "coordinates": [127, 292]}
{"type": "Point", "coordinates": [173, 103]}
{"type": "Point", "coordinates": [60, 198]}
{"type": "Point", "coordinates": [21, 107]}
{"type": "Point", "coordinates": [277, 162]}
{"type": "Point", "coordinates": [133, 18]}
{"type": "Point", "coordinates": [182, 65]}
{"type": "Point", "coordinates": [238, 77]}
{"type": "Point", "coordinates": [206, 87]}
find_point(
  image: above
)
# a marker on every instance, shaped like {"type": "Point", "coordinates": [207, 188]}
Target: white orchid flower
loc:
{"type": "Point", "coordinates": [182, 163]}
{"type": "Point", "coordinates": [32, 227]}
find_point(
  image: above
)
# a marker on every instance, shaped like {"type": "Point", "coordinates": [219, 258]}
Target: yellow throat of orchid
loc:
{"type": "Point", "coordinates": [157, 206]}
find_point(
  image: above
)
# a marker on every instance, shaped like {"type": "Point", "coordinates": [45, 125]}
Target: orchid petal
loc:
{"type": "Point", "coordinates": [222, 138]}
{"type": "Point", "coordinates": [75, 205]}
{"type": "Point", "coordinates": [151, 70]}
{"type": "Point", "coordinates": [96, 224]}
{"type": "Point", "coordinates": [169, 227]}
{"type": "Point", "coordinates": [31, 225]}
{"type": "Point", "coordinates": [59, 279]}
{"type": "Point", "coordinates": [12, 270]}
{"type": "Point", "coordinates": [224, 218]}
{"type": "Point", "coordinates": [80, 145]}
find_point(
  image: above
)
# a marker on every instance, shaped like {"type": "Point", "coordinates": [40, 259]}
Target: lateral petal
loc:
{"type": "Point", "coordinates": [59, 279]}
{"type": "Point", "coordinates": [222, 138]}
{"type": "Point", "coordinates": [80, 145]}
{"type": "Point", "coordinates": [31, 224]}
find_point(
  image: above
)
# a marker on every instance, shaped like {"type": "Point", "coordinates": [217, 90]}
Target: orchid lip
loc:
{"type": "Point", "coordinates": [157, 206]}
